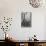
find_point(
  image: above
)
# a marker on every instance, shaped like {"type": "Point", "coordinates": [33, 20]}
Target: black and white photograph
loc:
{"type": "Point", "coordinates": [26, 19]}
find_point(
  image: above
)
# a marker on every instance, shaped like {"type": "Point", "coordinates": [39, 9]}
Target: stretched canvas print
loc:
{"type": "Point", "coordinates": [26, 19]}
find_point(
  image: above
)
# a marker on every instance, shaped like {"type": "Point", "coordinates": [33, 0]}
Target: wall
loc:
{"type": "Point", "coordinates": [13, 8]}
{"type": "Point", "coordinates": [45, 29]}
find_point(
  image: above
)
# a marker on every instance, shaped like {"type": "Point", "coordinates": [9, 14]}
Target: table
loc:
{"type": "Point", "coordinates": [27, 42]}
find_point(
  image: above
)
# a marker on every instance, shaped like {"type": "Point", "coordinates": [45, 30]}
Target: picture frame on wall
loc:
{"type": "Point", "coordinates": [26, 19]}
